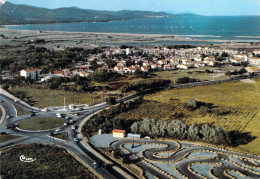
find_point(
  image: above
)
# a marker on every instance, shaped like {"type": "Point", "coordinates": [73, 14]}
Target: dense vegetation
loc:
{"type": "Point", "coordinates": [178, 130]}
{"type": "Point", "coordinates": [144, 85]}
{"type": "Point", "coordinates": [107, 120]}
{"type": "Point", "coordinates": [51, 162]}
{"type": "Point", "coordinates": [47, 60]}
{"type": "Point", "coordinates": [186, 80]}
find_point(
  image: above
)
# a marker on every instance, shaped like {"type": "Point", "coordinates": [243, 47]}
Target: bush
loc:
{"type": "Point", "coordinates": [111, 101]}
{"type": "Point", "coordinates": [178, 130]}
{"type": "Point", "coordinates": [143, 85]}
{"type": "Point", "coordinates": [186, 80]}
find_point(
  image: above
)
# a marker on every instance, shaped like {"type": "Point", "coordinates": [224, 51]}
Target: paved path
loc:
{"type": "Point", "coordinates": [226, 160]}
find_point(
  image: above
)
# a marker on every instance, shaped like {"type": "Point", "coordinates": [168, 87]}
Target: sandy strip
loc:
{"type": "Point", "coordinates": [248, 81]}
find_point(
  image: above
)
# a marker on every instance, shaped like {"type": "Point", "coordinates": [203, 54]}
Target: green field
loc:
{"type": "Point", "coordinates": [7, 137]}
{"type": "Point", "coordinates": [40, 123]}
{"type": "Point", "coordinates": [21, 111]}
{"type": "Point", "coordinates": [45, 98]}
{"type": "Point", "coordinates": [51, 162]}
{"type": "Point", "coordinates": [237, 101]}
{"type": "Point", "coordinates": [63, 136]}
{"type": "Point", "coordinates": [239, 98]}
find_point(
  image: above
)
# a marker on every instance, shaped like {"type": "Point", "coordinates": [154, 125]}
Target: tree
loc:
{"type": "Point", "coordinates": [193, 132]}
{"type": "Point", "coordinates": [192, 103]}
{"type": "Point", "coordinates": [111, 101]}
{"type": "Point", "coordinates": [228, 73]}
{"type": "Point", "coordinates": [135, 127]}
{"type": "Point", "coordinates": [94, 64]}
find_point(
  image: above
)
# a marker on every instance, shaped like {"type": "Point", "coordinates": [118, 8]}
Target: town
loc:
{"type": "Point", "coordinates": [127, 60]}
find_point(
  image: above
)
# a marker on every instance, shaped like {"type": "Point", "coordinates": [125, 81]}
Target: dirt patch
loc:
{"type": "Point", "coordinates": [248, 81]}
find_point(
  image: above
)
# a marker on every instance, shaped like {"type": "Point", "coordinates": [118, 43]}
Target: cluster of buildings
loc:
{"type": "Point", "coordinates": [150, 59]}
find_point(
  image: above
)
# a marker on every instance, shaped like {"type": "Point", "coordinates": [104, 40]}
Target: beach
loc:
{"type": "Point", "coordinates": [60, 40]}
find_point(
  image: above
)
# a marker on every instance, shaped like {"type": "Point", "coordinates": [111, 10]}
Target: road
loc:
{"type": "Point", "coordinates": [43, 137]}
{"type": "Point", "coordinates": [28, 137]}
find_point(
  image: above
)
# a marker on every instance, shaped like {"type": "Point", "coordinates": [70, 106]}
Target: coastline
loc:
{"type": "Point", "coordinates": [165, 37]}
{"type": "Point", "coordinates": [58, 40]}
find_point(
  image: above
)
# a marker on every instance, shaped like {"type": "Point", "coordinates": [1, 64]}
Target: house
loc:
{"type": "Point", "coordinates": [121, 64]}
{"type": "Point", "coordinates": [242, 57]}
{"type": "Point", "coordinates": [33, 73]}
{"type": "Point", "coordinates": [188, 63]}
{"type": "Point", "coordinates": [154, 66]}
{"type": "Point", "coordinates": [169, 67]}
{"type": "Point", "coordinates": [199, 64]}
{"type": "Point", "coordinates": [206, 61]}
{"type": "Point", "coordinates": [119, 68]}
{"type": "Point", "coordinates": [212, 63]}
{"type": "Point", "coordinates": [83, 74]}
{"type": "Point", "coordinates": [57, 74]}
{"type": "Point", "coordinates": [252, 69]}
{"type": "Point", "coordinates": [118, 133]}
{"type": "Point", "coordinates": [144, 68]}
{"type": "Point", "coordinates": [162, 62]}
{"type": "Point", "coordinates": [255, 61]}
{"type": "Point", "coordinates": [131, 69]}
{"type": "Point", "coordinates": [174, 61]}
{"type": "Point", "coordinates": [211, 58]}
{"type": "Point", "coordinates": [182, 66]}
{"type": "Point", "coordinates": [198, 59]}
{"type": "Point", "coordinates": [236, 60]}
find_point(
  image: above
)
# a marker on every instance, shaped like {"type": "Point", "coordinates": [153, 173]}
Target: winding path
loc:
{"type": "Point", "coordinates": [224, 161]}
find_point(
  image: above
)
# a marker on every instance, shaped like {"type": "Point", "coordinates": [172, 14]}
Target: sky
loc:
{"type": "Point", "coordinates": [202, 7]}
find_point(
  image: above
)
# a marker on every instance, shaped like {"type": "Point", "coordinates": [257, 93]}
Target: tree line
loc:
{"type": "Point", "coordinates": [144, 85]}
{"type": "Point", "coordinates": [178, 130]}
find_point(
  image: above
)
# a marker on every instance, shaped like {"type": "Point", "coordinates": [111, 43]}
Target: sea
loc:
{"type": "Point", "coordinates": [236, 28]}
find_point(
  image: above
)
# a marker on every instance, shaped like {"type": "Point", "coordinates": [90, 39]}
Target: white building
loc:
{"type": "Point", "coordinates": [33, 73]}
{"type": "Point", "coordinates": [255, 61]}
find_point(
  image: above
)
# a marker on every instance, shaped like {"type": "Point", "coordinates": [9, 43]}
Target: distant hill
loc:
{"type": "Point", "coordinates": [23, 14]}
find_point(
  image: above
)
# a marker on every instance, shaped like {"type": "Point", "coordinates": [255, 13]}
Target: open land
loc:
{"type": "Point", "coordinates": [43, 98]}
{"type": "Point", "coordinates": [239, 100]}
{"type": "Point", "coordinates": [7, 137]}
{"type": "Point", "coordinates": [51, 162]}
{"type": "Point", "coordinates": [40, 123]}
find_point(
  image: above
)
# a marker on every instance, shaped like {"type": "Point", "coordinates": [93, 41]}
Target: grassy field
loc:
{"type": "Point", "coordinates": [51, 162]}
{"type": "Point", "coordinates": [63, 136]}
{"type": "Point", "coordinates": [45, 98]}
{"type": "Point", "coordinates": [240, 99]}
{"type": "Point", "coordinates": [7, 137]}
{"type": "Point", "coordinates": [21, 111]}
{"type": "Point", "coordinates": [40, 123]}
{"type": "Point", "coordinates": [198, 73]}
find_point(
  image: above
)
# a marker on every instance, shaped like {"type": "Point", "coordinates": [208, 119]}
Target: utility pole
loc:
{"type": "Point", "coordinates": [64, 100]}
{"type": "Point", "coordinates": [93, 100]}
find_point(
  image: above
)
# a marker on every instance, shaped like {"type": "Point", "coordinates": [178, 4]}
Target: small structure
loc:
{"type": "Point", "coordinates": [99, 131]}
{"type": "Point", "coordinates": [134, 136]}
{"type": "Point", "coordinates": [118, 133]}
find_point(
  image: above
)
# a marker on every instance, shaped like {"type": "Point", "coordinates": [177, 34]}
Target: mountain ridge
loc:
{"type": "Point", "coordinates": [13, 14]}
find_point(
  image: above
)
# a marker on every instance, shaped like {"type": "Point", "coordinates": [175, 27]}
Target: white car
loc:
{"type": "Point", "coordinates": [58, 130]}
{"type": "Point", "coordinates": [46, 109]}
